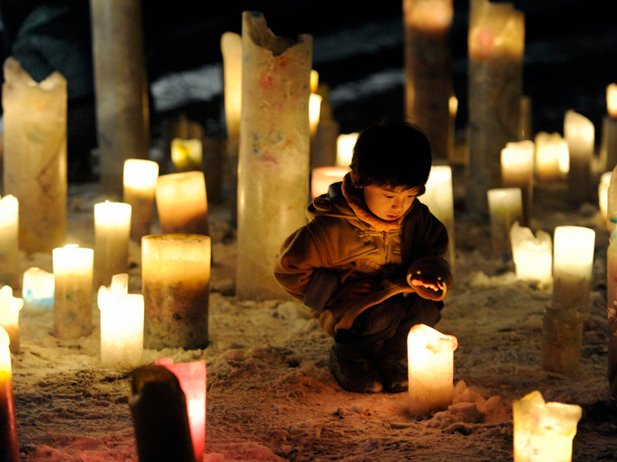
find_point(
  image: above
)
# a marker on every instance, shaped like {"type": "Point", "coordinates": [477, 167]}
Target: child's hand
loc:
{"type": "Point", "coordinates": [430, 282]}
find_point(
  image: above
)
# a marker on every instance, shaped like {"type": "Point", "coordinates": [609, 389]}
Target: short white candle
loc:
{"type": "Point", "coordinates": [37, 288]}
{"type": "Point", "coordinates": [517, 171]}
{"type": "Point", "coordinates": [532, 255]}
{"type": "Point", "coordinates": [73, 268]}
{"type": "Point", "coordinates": [323, 177]}
{"type": "Point", "coordinates": [182, 203]}
{"type": "Point", "coordinates": [572, 267]}
{"type": "Point", "coordinates": [439, 197]}
{"type": "Point", "coordinates": [186, 154]}
{"type": "Point", "coordinates": [112, 228]}
{"type": "Point", "coordinates": [505, 208]}
{"type": "Point", "coordinates": [552, 157]}
{"type": "Point", "coordinates": [9, 315]}
{"type": "Point", "coordinates": [431, 369]}
{"type": "Point", "coordinates": [9, 241]}
{"type": "Point", "coordinates": [139, 181]}
{"type": "Point", "coordinates": [122, 324]}
{"type": "Point", "coordinates": [345, 143]}
{"type": "Point", "coordinates": [543, 432]}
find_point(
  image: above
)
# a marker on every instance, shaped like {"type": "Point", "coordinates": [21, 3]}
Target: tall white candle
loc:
{"type": "Point", "coordinates": [505, 208]}
{"type": "Point", "coordinates": [323, 177]}
{"type": "Point", "coordinates": [9, 241]}
{"type": "Point", "coordinates": [8, 428]}
{"type": "Point", "coordinates": [72, 268]}
{"type": "Point", "coordinates": [431, 369]}
{"type": "Point", "coordinates": [517, 172]}
{"type": "Point", "coordinates": [579, 133]}
{"type": "Point", "coordinates": [9, 315]}
{"type": "Point", "coordinates": [122, 324]}
{"type": "Point", "coordinates": [552, 157]}
{"type": "Point", "coordinates": [532, 255]}
{"type": "Point", "coordinates": [112, 228]}
{"type": "Point", "coordinates": [139, 181]}
{"type": "Point", "coordinates": [38, 288]}
{"type": "Point", "coordinates": [182, 202]}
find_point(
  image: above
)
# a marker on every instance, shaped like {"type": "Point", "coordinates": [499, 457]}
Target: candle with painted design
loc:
{"type": "Point", "coordinates": [187, 154]}
{"type": "Point", "coordinates": [532, 255]}
{"type": "Point", "coordinates": [73, 278]}
{"type": "Point", "coordinates": [579, 133]}
{"type": "Point", "coordinates": [345, 143]}
{"type": "Point", "coordinates": [38, 288]}
{"type": "Point", "coordinates": [517, 172]}
{"type": "Point", "coordinates": [505, 208]}
{"type": "Point", "coordinates": [9, 241]}
{"type": "Point", "coordinates": [8, 428]}
{"type": "Point", "coordinates": [9, 315]}
{"type": "Point", "coordinates": [192, 378]}
{"type": "Point", "coordinates": [552, 161]}
{"type": "Point", "coordinates": [139, 181]}
{"type": "Point", "coordinates": [182, 203]}
{"type": "Point", "coordinates": [543, 431]}
{"type": "Point", "coordinates": [112, 229]}
{"type": "Point", "coordinates": [323, 177]}
{"type": "Point", "coordinates": [431, 369]}
{"type": "Point", "coordinates": [608, 146]}
{"type": "Point", "coordinates": [122, 324]}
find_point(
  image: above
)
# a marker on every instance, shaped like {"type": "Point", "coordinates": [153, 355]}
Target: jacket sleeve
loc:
{"type": "Point", "coordinates": [299, 270]}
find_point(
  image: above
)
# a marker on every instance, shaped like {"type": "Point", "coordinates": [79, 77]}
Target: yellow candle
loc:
{"type": "Point", "coordinates": [344, 148]}
{"type": "Point", "coordinates": [112, 228]}
{"type": "Point", "coordinates": [543, 431]}
{"type": "Point", "coordinates": [72, 267]}
{"type": "Point", "coordinates": [9, 241]}
{"type": "Point", "coordinates": [323, 177]}
{"type": "Point", "coordinates": [9, 315]}
{"type": "Point", "coordinates": [139, 181]}
{"type": "Point", "coordinates": [182, 203]}
{"type": "Point", "coordinates": [532, 255]}
{"type": "Point", "coordinates": [431, 369]}
{"type": "Point", "coordinates": [8, 436]}
{"type": "Point", "coordinates": [122, 324]}
{"type": "Point", "coordinates": [38, 288]}
{"type": "Point", "coordinates": [187, 154]}
{"type": "Point", "coordinates": [552, 157]}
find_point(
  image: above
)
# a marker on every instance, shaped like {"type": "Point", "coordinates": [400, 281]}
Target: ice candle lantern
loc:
{"type": "Point", "coordinates": [112, 229]}
{"type": "Point", "coordinates": [431, 369]}
{"type": "Point", "coordinates": [37, 288]}
{"type": "Point", "coordinates": [73, 279]}
{"type": "Point", "coordinates": [9, 315]}
{"type": "Point", "coordinates": [192, 378]}
{"type": "Point", "coordinates": [122, 324]}
{"type": "Point", "coordinates": [532, 255]}
{"type": "Point", "coordinates": [517, 171]}
{"type": "Point", "coordinates": [9, 442]}
{"type": "Point", "coordinates": [543, 431]}
{"type": "Point", "coordinates": [9, 241]}
{"type": "Point", "coordinates": [505, 207]}
{"type": "Point", "coordinates": [323, 177]}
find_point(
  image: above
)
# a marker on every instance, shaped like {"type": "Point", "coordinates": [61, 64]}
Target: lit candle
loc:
{"type": "Point", "coordinates": [543, 431]}
{"type": "Point", "coordinates": [176, 288]}
{"type": "Point", "coordinates": [579, 133]}
{"type": "Point", "coordinates": [139, 182]}
{"type": "Point", "coordinates": [314, 110]}
{"type": "Point", "coordinates": [38, 288]}
{"type": "Point", "coordinates": [192, 378]}
{"type": "Point", "coordinates": [603, 184]}
{"type": "Point", "coordinates": [9, 315]}
{"type": "Point", "coordinates": [323, 144]}
{"type": "Point", "coordinates": [112, 228]}
{"type": "Point", "coordinates": [8, 428]}
{"type": "Point", "coordinates": [431, 369]}
{"type": "Point", "coordinates": [439, 197]}
{"type": "Point", "coordinates": [517, 172]}
{"type": "Point", "coordinates": [532, 255]}
{"type": "Point", "coordinates": [505, 208]}
{"type": "Point", "coordinates": [182, 203]}
{"type": "Point", "coordinates": [186, 154]}
{"type": "Point", "coordinates": [34, 155]}
{"type": "Point", "coordinates": [122, 324]}
{"type": "Point", "coordinates": [608, 145]}
{"type": "Point", "coordinates": [345, 143]}
{"type": "Point", "coordinates": [552, 157]}
{"type": "Point", "coordinates": [323, 177]}
{"type": "Point", "coordinates": [72, 268]}
{"type": "Point", "coordinates": [9, 242]}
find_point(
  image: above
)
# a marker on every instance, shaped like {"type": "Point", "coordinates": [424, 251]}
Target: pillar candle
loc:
{"type": "Point", "coordinates": [532, 255]}
{"type": "Point", "coordinates": [9, 315]}
{"type": "Point", "coordinates": [121, 87]}
{"type": "Point", "coordinates": [496, 42]}
{"type": "Point", "coordinates": [8, 428]}
{"type": "Point", "coordinates": [345, 143]}
{"type": "Point", "coordinates": [159, 412]}
{"type": "Point", "coordinates": [517, 172]}
{"type": "Point", "coordinates": [611, 289]}
{"type": "Point", "coordinates": [192, 378]}
{"type": "Point", "coordinates": [9, 241]}
{"type": "Point", "coordinates": [139, 182]}
{"type": "Point", "coordinates": [73, 278]}
{"type": "Point", "coordinates": [34, 123]}
{"type": "Point", "coordinates": [552, 157]}
{"type": "Point", "coordinates": [187, 154]}
{"type": "Point", "coordinates": [428, 75]}
{"type": "Point", "coordinates": [439, 197]}
{"type": "Point", "coordinates": [603, 184]}
{"type": "Point", "coordinates": [323, 177]}
{"type": "Point", "coordinates": [562, 339]}
{"type": "Point", "coordinates": [505, 208]}
{"type": "Point", "coordinates": [273, 171]}
{"type": "Point", "coordinates": [608, 146]}
{"type": "Point", "coordinates": [543, 431]}
{"type": "Point", "coordinates": [431, 369]}
{"type": "Point", "coordinates": [176, 288]}
{"type": "Point", "coordinates": [182, 203]}
{"type": "Point", "coordinates": [579, 133]}
{"type": "Point", "coordinates": [122, 324]}
{"type": "Point", "coordinates": [38, 288]}
{"type": "Point", "coordinates": [112, 228]}
{"type": "Point", "coordinates": [314, 109]}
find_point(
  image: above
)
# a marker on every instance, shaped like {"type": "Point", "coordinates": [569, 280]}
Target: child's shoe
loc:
{"type": "Point", "coordinates": [353, 371]}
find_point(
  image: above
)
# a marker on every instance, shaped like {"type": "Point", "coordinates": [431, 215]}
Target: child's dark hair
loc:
{"type": "Point", "coordinates": [392, 154]}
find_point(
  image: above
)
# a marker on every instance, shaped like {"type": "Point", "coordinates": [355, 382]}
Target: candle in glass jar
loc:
{"type": "Point", "coordinates": [9, 241]}
{"type": "Point", "coordinates": [9, 315]}
{"type": "Point", "coordinates": [139, 182]}
{"type": "Point", "coordinates": [112, 229]}
{"type": "Point", "coordinates": [182, 203]}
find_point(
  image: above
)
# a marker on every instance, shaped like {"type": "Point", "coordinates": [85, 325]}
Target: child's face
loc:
{"type": "Point", "coordinates": [388, 203]}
